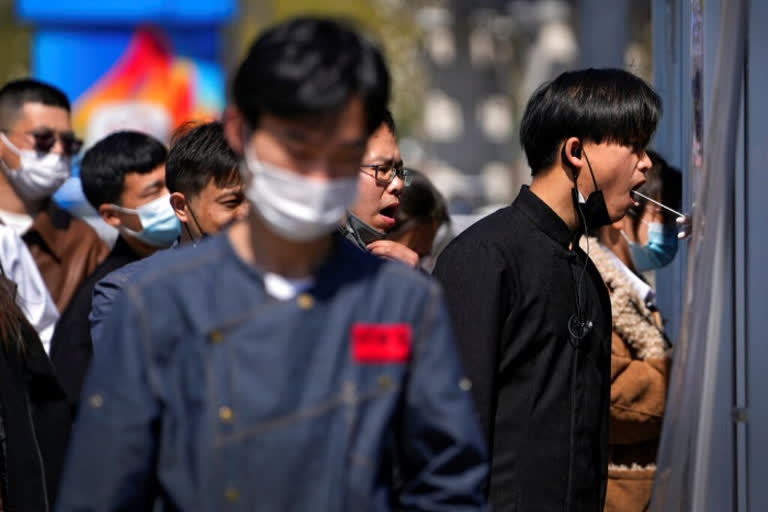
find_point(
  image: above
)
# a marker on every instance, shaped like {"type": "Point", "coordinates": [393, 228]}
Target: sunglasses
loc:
{"type": "Point", "coordinates": [45, 139]}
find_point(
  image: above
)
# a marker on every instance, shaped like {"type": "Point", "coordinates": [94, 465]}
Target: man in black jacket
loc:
{"type": "Point", "coordinates": [34, 418]}
{"type": "Point", "coordinates": [530, 311]}
{"type": "Point", "coordinates": [123, 177]}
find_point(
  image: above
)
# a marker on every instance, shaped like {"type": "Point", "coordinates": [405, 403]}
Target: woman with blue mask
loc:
{"type": "Point", "coordinates": [644, 240]}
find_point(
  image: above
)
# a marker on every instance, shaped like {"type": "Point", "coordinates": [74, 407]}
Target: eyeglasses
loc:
{"type": "Point", "coordinates": [45, 139]}
{"type": "Point", "coordinates": [386, 173]}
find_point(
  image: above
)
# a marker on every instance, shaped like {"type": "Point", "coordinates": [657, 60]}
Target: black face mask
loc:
{"type": "Point", "coordinates": [366, 233]}
{"type": "Point", "coordinates": [594, 209]}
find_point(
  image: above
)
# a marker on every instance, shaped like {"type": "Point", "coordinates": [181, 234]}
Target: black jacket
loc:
{"type": "Point", "coordinates": [511, 283]}
{"type": "Point", "coordinates": [71, 345]}
{"type": "Point", "coordinates": [35, 426]}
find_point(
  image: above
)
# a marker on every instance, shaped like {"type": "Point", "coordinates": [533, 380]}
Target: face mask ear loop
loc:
{"type": "Point", "coordinates": [192, 236]}
{"type": "Point", "coordinates": [578, 325]}
{"type": "Point", "coordinates": [10, 145]}
{"type": "Point", "coordinates": [197, 225]}
{"type": "Point", "coordinates": [591, 173]}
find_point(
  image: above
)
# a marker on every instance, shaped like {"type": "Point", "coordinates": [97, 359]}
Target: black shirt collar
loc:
{"type": "Point", "coordinates": [122, 249]}
{"type": "Point", "coordinates": [545, 218]}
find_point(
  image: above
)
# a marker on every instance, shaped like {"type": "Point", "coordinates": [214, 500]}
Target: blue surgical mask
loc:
{"type": "Point", "coordinates": [658, 251]}
{"type": "Point", "coordinates": [159, 225]}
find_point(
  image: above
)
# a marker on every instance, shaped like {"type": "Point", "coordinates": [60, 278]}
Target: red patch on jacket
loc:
{"type": "Point", "coordinates": [381, 343]}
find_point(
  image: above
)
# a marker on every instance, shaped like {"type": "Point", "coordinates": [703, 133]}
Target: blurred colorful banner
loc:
{"type": "Point", "coordinates": [146, 65]}
{"type": "Point", "coordinates": [151, 89]}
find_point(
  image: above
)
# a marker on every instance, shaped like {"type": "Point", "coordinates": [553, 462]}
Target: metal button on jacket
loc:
{"type": "Point", "coordinates": [305, 301]}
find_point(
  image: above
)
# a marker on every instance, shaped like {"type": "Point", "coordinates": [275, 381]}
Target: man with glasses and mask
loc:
{"type": "Point", "coordinates": [531, 312]}
{"type": "Point", "coordinates": [276, 366]}
{"type": "Point", "coordinates": [379, 189]}
{"type": "Point", "coordinates": [123, 177]}
{"type": "Point", "coordinates": [36, 146]}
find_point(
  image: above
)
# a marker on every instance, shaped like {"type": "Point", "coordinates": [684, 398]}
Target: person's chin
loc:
{"type": "Point", "coordinates": [619, 213]}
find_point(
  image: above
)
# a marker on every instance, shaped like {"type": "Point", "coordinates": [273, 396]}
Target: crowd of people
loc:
{"type": "Point", "coordinates": [265, 332]}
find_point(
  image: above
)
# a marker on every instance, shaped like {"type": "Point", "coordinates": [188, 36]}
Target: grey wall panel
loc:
{"type": "Point", "coordinates": [671, 22]}
{"type": "Point", "coordinates": [756, 228]}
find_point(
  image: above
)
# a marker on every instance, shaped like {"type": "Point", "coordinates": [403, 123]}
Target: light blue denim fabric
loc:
{"type": "Point", "coordinates": [208, 394]}
{"type": "Point", "coordinates": [107, 290]}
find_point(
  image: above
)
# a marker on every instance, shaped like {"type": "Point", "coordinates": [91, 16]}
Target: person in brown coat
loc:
{"type": "Point", "coordinates": [640, 352]}
{"type": "Point", "coordinates": [36, 146]}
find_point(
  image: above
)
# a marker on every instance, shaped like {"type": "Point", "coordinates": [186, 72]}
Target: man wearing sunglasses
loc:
{"type": "Point", "coordinates": [382, 178]}
{"type": "Point", "coordinates": [36, 145]}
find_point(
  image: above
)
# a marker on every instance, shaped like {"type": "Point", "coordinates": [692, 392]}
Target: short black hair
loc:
{"type": "Point", "coordinates": [200, 153]}
{"type": "Point", "coordinates": [420, 202]}
{"type": "Point", "coordinates": [310, 67]}
{"type": "Point", "coordinates": [17, 93]}
{"type": "Point", "coordinates": [390, 122]}
{"type": "Point", "coordinates": [597, 105]}
{"type": "Point", "coordinates": [105, 164]}
{"type": "Point", "coordinates": [663, 183]}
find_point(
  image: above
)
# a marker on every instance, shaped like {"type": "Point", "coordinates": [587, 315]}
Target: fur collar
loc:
{"type": "Point", "coordinates": [632, 320]}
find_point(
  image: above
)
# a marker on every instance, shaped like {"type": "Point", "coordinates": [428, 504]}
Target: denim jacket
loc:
{"type": "Point", "coordinates": [109, 287]}
{"type": "Point", "coordinates": [211, 395]}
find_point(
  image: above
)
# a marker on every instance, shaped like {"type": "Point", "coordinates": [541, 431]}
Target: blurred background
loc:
{"type": "Point", "coordinates": [462, 69]}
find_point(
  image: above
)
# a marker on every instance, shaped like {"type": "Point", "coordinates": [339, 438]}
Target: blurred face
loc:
{"type": "Point", "coordinates": [35, 118]}
{"type": "Point", "coordinates": [377, 201]}
{"type": "Point", "coordinates": [618, 169]}
{"type": "Point", "coordinates": [138, 190]}
{"type": "Point", "coordinates": [321, 150]}
{"type": "Point", "coordinates": [214, 208]}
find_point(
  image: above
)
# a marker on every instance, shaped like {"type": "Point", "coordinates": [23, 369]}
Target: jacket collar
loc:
{"type": "Point", "coordinates": [51, 225]}
{"type": "Point", "coordinates": [349, 232]}
{"type": "Point", "coordinates": [545, 218]}
{"type": "Point", "coordinates": [122, 249]}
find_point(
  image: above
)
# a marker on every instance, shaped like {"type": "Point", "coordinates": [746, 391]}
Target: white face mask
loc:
{"type": "Point", "coordinates": [39, 175]}
{"type": "Point", "coordinates": [294, 207]}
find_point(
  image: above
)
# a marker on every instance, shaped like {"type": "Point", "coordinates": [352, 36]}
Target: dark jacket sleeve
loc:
{"type": "Point", "coordinates": [105, 292]}
{"type": "Point", "coordinates": [71, 347]}
{"type": "Point", "coordinates": [112, 452]}
{"type": "Point", "coordinates": [443, 453]}
{"type": "Point", "coordinates": [472, 279]}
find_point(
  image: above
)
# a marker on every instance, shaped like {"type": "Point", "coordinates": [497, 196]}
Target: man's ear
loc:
{"type": "Point", "coordinates": [109, 215]}
{"type": "Point", "coordinates": [234, 125]}
{"type": "Point", "coordinates": [573, 155]}
{"type": "Point", "coordinates": [179, 205]}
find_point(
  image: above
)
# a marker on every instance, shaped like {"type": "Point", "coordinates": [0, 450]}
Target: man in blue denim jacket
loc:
{"type": "Point", "coordinates": [277, 367]}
